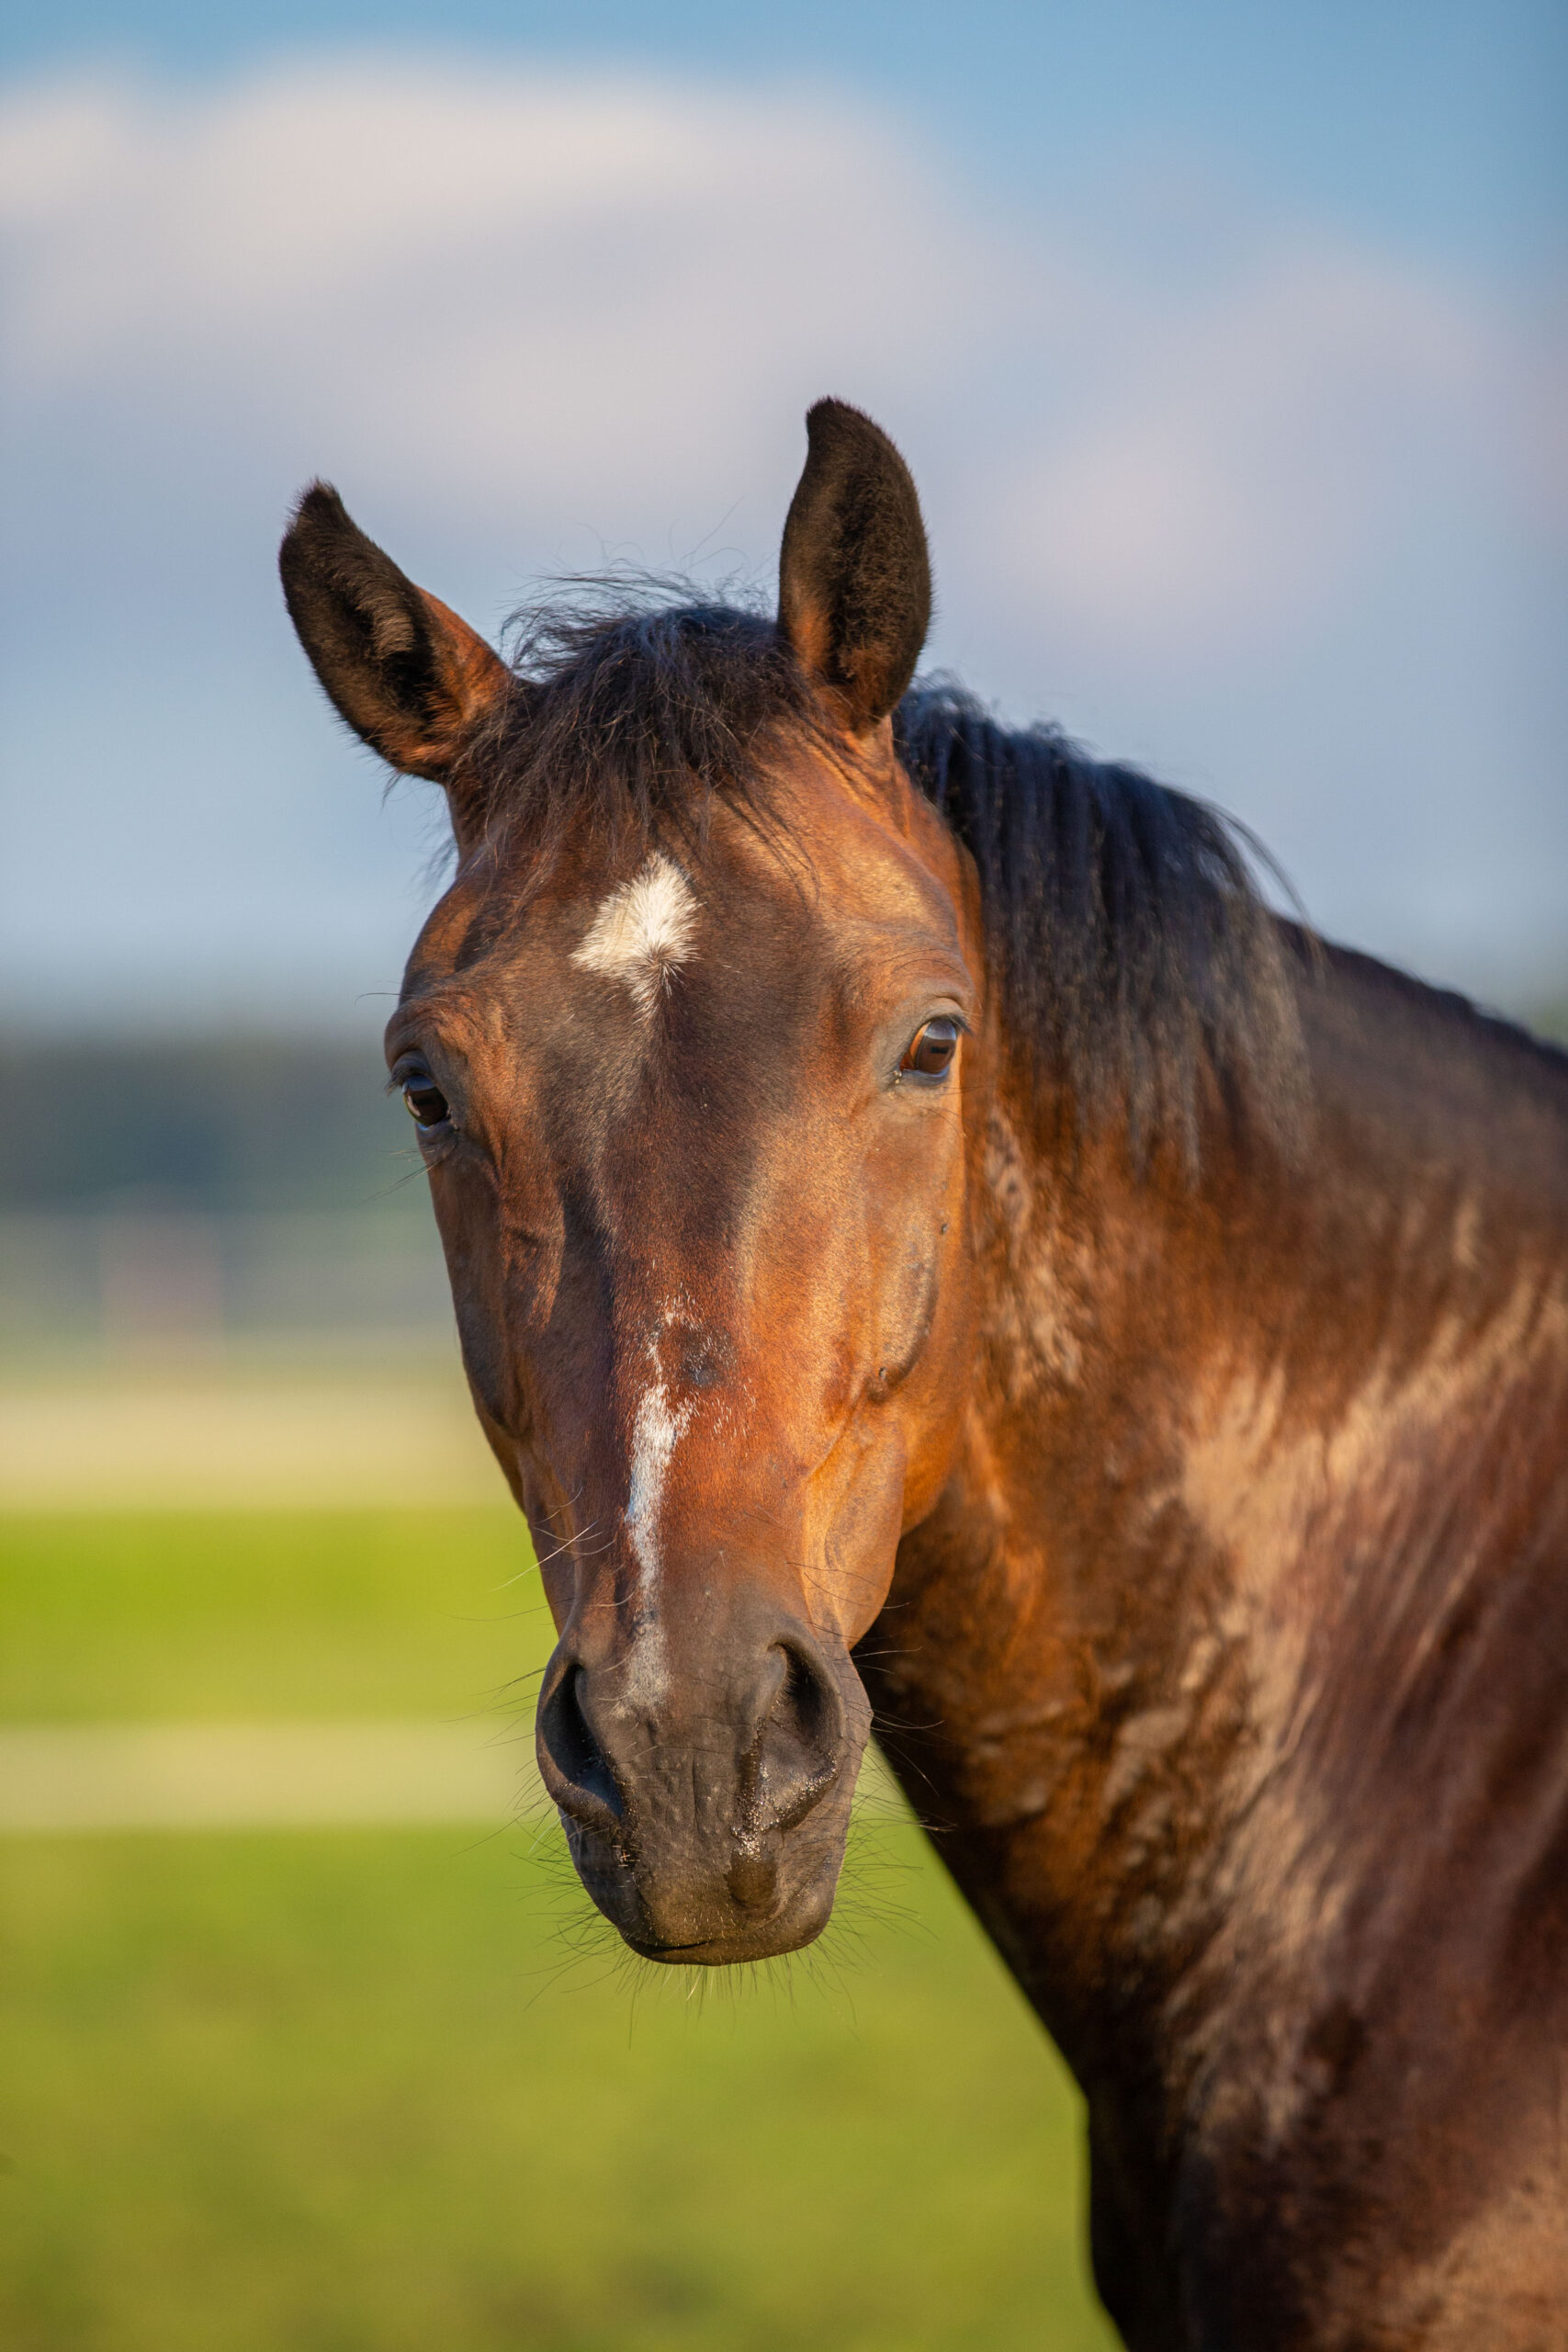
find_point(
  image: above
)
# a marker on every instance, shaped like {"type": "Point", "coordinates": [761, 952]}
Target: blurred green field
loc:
{"type": "Point", "coordinates": [278, 1613]}
{"type": "Point", "coordinates": [358, 2091]}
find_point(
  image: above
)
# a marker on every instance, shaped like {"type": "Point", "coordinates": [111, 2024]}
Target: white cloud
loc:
{"type": "Point", "coordinates": [441, 270]}
{"type": "Point", "coordinates": [579, 298]}
{"type": "Point", "coordinates": [510, 310]}
{"type": "Point", "coordinates": [1243, 443]}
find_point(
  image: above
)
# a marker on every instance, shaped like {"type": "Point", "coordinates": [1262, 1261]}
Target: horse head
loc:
{"type": "Point", "coordinates": [696, 1049]}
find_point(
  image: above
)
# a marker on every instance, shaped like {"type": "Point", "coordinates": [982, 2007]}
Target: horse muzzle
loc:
{"type": "Point", "coordinates": [705, 1783]}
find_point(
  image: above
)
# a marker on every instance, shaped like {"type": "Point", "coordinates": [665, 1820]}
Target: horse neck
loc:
{"type": "Point", "coordinates": [1227, 1452]}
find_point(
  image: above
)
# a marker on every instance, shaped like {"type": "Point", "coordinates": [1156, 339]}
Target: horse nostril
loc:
{"type": "Point", "coordinates": [575, 1768]}
{"type": "Point", "coordinates": [800, 1742]}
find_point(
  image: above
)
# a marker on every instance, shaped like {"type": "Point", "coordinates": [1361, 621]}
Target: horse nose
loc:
{"type": "Point", "coordinates": [750, 1761]}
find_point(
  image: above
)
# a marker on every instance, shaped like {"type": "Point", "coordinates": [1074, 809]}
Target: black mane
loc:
{"type": "Point", "coordinates": [1131, 946]}
{"type": "Point", "coordinates": [1128, 936]}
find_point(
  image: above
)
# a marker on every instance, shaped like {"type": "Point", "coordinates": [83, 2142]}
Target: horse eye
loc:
{"type": "Point", "coordinates": [427, 1104]}
{"type": "Point", "coordinates": [930, 1049]}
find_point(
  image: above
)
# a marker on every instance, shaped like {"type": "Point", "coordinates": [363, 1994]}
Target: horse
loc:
{"type": "Point", "coordinates": [933, 1249]}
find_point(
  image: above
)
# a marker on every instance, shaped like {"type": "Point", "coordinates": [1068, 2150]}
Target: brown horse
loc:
{"type": "Point", "coordinates": [926, 1240]}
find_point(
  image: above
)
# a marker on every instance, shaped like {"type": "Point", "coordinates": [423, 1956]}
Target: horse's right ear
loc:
{"type": "Point", "coordinates": [413, 681]}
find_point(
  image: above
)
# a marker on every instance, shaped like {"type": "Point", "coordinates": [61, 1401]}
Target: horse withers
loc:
{"type": "Point", "coordinates": [926, 1238]}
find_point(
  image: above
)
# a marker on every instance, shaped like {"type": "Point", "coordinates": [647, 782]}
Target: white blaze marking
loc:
{"type": "Point", "coordinates": [654, 1435]}
{"type": "Point", "coordinates": [643, 932]}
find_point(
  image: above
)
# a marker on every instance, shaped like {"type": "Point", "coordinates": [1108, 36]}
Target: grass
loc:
{"type": "Point", "coordinates": [358, 2092]}
{"type": "Point", "coordinates": [268, 1614]}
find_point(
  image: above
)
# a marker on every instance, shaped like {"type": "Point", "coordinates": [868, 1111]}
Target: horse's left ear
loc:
{"type": "Point", "coordinates": [854, 576]}
{"type": "Point", "coordinates": [411, 679]}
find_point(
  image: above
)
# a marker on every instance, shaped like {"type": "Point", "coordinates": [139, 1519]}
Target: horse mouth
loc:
{"type": "Point", "coordinates": [764, 1941]}
{"type": "Point", "coordinates": [723, 1933]}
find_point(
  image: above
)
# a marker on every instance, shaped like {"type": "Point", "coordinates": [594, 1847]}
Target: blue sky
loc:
{"type": "Point", "coordinates": [1439, 123]}
{"type": "Point", "coordinates": [1222, 341]}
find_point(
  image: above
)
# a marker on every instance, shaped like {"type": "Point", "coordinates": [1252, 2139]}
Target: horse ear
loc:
{"type": "Point", "coordinates": [854, 576]}
{"type": "Point", "coordinates": [411, 678]}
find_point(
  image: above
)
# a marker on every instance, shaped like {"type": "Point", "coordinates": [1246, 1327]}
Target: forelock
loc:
{"type": "Point", "coordinates": [632, 723]}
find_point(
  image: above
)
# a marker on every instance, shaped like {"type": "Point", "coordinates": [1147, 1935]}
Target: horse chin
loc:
{"type": "Point", "coordinates": [693, 1920]}
{"type": "Point", "coordinates": [770, 1941]}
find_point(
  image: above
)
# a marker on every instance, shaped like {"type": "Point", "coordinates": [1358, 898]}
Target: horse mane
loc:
{"type": "Point", "coordinates": [1135, 958]}
{"type": "Point", "coordinates": [1133, 946]}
